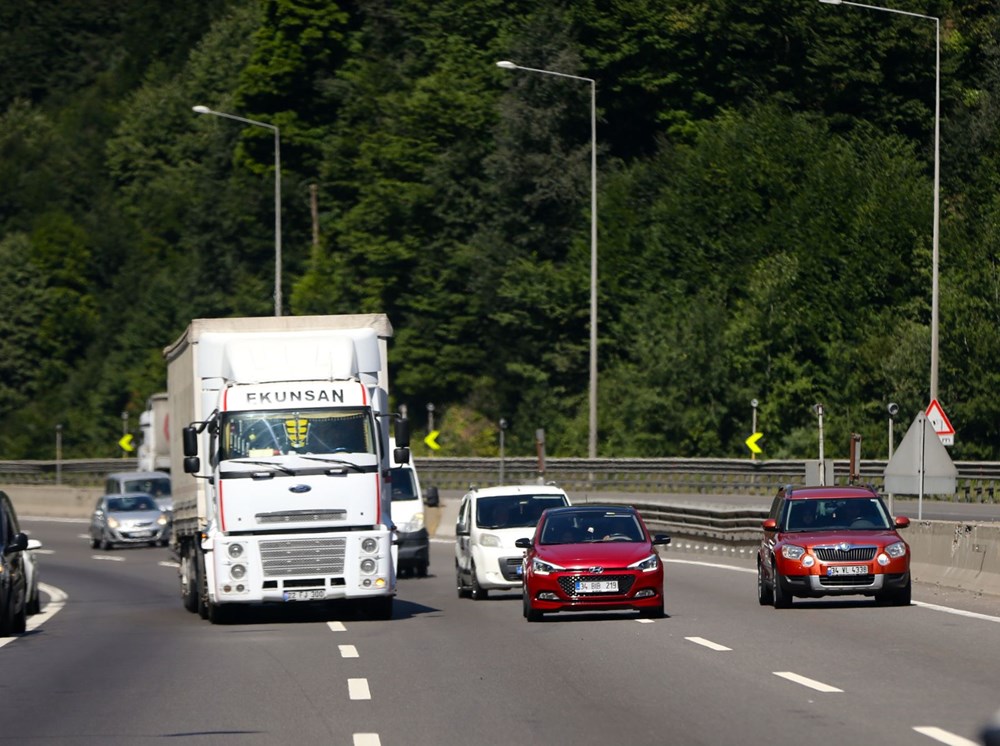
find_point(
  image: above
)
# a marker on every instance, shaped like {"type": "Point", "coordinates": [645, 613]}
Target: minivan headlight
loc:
{"type": "Point", "coordinates": [489, 540]}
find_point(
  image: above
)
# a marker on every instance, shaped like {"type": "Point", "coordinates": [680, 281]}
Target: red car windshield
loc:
{"type": "Point", "coordinates": [838, 514]}
{"type": "Point", "coordinates": [585, 526]}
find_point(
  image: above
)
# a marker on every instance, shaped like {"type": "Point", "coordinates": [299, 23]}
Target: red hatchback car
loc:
{"type": "Point", "coordinates": [592, 558]}
{"type": "Point", "coordinates": [825, 541]}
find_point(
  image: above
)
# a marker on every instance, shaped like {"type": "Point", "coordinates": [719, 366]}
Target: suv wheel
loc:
{"type": "Point", "coordinates": [782, 598]}
{"type": "Point", "coordinates": [765, 597]}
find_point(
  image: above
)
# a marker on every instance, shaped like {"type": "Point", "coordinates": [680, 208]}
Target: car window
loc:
{"type": "Point", "coordinates": [591, 526]}
{"type": "Point", "coordinates": [514, 511]}
{"type": "Point", "coordinates": [153, 485]}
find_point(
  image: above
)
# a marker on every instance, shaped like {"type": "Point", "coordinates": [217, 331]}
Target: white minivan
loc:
{"type": "Point", "coordinates": [490, 520]}
{"type": "Point", "coordinates": [412, 540]}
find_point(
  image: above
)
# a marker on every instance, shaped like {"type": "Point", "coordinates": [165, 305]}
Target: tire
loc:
{"type": "Point", "coordinates": [422, 570]}
{"type": "Point", "coordinates": [19, 622]}
{"type": "Point", "coordinates": [106, 544]}
{"type": "Point", "coordinates": [478, 593]}
{"type": "Point", "coordinates": [220, 613]}
{"type": "Point", "coordinates": [782, 599]}
{"type": "Point", "coordinates": [202, 585]}
{"type": "Point", "coordinates": [532, 615]}
{"type": "Point", "coordinates": [34, 606]}
{"type": "Point", "coordinates": [188, 575]}
{"type": "Point", "coordinates": [656, 612]}
{"type": "Point", "coordinates": [765, 596]}
{"type": "Point", "coordinates": [902, 596]}
{"type": "Point", "coordinates": [463, 592]}
{"type": "Point", "coordinates": [6, 620]}
{"type": "Point", "coordinates": [95, 543]}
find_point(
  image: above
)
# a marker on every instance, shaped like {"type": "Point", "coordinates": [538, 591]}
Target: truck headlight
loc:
{"type": "Point", "coordinates": [369, 545]}
{"type": "Point", "coordinates": [368, 566]}
{"type": "Point", "coordinates": [238, 572]}
{"type": "Point", "coordinates": [235, 551]}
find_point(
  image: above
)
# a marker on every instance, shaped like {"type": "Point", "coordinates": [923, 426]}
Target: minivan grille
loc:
{"type": "Point", "coordinates": [286, 557]}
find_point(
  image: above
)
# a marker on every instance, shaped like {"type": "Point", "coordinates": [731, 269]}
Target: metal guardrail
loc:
{"type": "Point", "coordinates": [978, 481]}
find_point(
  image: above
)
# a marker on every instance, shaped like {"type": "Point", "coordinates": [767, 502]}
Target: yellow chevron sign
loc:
{"type": "Point", "coordinates": [431, 440]}
{"type": "Point", "coordinates": [752, 442]}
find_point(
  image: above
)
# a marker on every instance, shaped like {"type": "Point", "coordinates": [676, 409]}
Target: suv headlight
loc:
{"type": "Point", "coordinates": [646, 565]}
{"type": "Point", "coordinates": [792, 552]}
{"type": "Point", "coordinates": [544, 568]}
{"type": "Point", "coordinates": [896, 550]}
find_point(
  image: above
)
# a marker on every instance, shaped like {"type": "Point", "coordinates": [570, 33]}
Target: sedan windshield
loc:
{"type": "Point", "coordinates": [283, 432]}
{"type": "Point", "coordinates": [591, 525]}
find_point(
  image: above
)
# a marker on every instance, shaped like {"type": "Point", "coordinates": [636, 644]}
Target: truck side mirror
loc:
{"type": "Point", "coordinates": [190, 436]}
{"type": "Point", "coordinates": [402, 433]}
{"type": "Point", "coordinates": [192, 465]}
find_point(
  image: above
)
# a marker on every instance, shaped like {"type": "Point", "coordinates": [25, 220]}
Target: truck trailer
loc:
{"type": "Point", "coordinates": [154, 426]}
{"type": "Point", "coordinates": [280, 459]}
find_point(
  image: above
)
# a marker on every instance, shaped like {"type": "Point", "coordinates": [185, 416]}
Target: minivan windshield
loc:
{"type": "Point", "coordinates": [281, 432]}
{"type": "Point", "coordinates": [403, 487]}
{"type": "Point", "coordinates": [514, 511]}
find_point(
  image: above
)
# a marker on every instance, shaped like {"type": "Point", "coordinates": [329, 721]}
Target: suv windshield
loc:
{"type": "Point", "coordinates": [282, 432]}
{"type": "Point", "coordinates": [857, 513]}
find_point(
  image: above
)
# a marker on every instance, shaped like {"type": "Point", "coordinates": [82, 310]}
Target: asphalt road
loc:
{"type": "Point", "coordinates": [121, 662]}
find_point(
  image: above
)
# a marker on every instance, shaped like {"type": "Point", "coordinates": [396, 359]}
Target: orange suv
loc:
{"type": "Point", "coordinates": [826, 541]}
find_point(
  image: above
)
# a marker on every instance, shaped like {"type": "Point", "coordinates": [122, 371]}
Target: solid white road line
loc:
{"type": "Point", "coordinates": [819, 686]}
{"type": "Point", "coordinates": [958, 612]}
{"type": "Point", "coordinates": [336, 626]}
{"type": "Point", "coordinates": [358, 689]}
{"type": "Point", "coordinates": [707, 643]}
{"type": "Point", "coordinates": [167, 563]}
{"type": "Point", "coordinates": [367, 739]}
{"type": "Point", "coordinates": [734, 568]}
{"type": "Point", "coordinates": [106, 558]}
{"type": "Point", "coordinates": [943, 736]}
{"type": "Point", "coordinates": [348, 651]}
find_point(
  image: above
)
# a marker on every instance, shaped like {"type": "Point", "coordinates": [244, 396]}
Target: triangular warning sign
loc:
{"type": "Point", "coordinates": [938, 419]}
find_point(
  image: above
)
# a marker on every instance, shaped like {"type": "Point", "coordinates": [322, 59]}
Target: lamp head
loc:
{"type": "Point", "coordinates": [831, 2]}
{"type": "Point", "coordinates": [893, 409]}
{"type": "Point", "coordinates": [201, 109]}
{"type": "Point", "coordinates": [506, 65]}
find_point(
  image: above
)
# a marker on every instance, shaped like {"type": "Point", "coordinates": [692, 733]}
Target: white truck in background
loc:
{"type": "Point", "coordinates": [154, 428]}
{"type": "Point", "coordinates": [281, 463]}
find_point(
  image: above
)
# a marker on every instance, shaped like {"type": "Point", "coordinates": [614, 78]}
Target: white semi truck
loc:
{"type": "Point", "coordinates": [281, 463]}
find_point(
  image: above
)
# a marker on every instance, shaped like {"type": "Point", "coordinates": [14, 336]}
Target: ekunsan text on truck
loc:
{"type": "Point", "coordinates": [281, 462]}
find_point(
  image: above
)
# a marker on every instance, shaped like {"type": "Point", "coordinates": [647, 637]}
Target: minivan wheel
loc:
{"type": "Point", "coordinates": [463, 592]}
{"type": "Point", "coordinates": [478, 592]}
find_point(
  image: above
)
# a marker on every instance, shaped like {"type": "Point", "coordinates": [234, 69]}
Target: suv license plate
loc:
{"type": "Point", "coordinates": [314, 595]}
{"type": "Point", "coordinates": [597, 586]}
{"type": "Point", "coordinates": [847, 570]}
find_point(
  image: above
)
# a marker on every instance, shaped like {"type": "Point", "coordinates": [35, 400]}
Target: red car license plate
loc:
{"type": "Point", "coordinates": [847, 570]}
{"type": "Point", "coordinates": [597, 586]}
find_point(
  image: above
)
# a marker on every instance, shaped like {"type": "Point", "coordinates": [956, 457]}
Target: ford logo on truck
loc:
{"type": "Point", "coordinates": [300, 488]}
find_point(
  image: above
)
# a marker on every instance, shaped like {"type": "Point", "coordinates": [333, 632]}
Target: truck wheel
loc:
{"type": "Point", "coordinates": [219, 613]}
{"type": "Point", "coordinates": [188, 574]}
{"type": "Point", "coordinates": [202, 586]}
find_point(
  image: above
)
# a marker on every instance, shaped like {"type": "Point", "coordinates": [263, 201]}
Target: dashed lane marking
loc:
{"type": "Point", "coordinates": [819, 686]}
{"type": "Point", "coordinates": [358, 689]}
{"type": "Point", "coordinates": [348, 651]}
{"type": "Point", "coordinates": [943, 736]}
{"type": "Point", "coordinates": [707, 643]}
{"type": "Point", "coordinates": [367, 739]}
{"type": "Point", "coordinates": [336, 626]}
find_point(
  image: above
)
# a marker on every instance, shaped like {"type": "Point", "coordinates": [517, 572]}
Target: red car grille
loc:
{"type": "Point", "coordinates": [854, 554]}
{"type": "Point", "coordinates": [568, 584]}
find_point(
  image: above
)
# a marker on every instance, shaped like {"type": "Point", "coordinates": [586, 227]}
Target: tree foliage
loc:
{"type": "Point", "coordinates": [764, 207]}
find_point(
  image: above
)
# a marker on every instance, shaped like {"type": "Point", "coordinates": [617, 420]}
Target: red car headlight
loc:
{"type": "Point", "coordinates": [544, 568]}
{"type": "Point", "coordinates": [649, 564]}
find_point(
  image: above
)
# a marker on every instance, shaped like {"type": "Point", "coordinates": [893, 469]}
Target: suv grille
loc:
{"type": "Point", "coordinates": [568, 584]}
{"type": "Point", "coordinates": [854, 554]}
{"type": "Point", "coordinates": [303, 557]}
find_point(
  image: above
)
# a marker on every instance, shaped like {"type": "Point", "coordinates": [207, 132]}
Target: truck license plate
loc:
{"type": "Point", "coordinates": [847, 570]}
{"type": "Point", "coordinates": [597, 586]}
{"type": "Point", "coordinates": [313, 595]}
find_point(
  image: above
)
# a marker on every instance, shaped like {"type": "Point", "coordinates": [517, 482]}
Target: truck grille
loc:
{"type": "Point", "coordinates": [303, 557]}
{"type": "Point", "coordinates": [854, 554]}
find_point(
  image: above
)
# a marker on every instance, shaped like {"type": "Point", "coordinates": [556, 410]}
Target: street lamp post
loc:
{"type": "Point", "coordinates": [277, 194]}
{"type": "Point", "coordinates": [592, 430]}
{"type": "Point", "coordinates": [935, 256]}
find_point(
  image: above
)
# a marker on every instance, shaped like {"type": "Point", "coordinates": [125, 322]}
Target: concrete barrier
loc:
{"type": "Point", "coordinates": [952, 554]}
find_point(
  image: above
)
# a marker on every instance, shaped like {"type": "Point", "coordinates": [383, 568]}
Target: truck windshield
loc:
{"type": "Point", "coordinates": [282, 432]}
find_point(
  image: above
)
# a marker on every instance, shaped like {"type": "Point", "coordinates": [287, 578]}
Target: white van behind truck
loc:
{"type": "Point", "coordinates": [412, 540]}
{"type": "Point", "coordinates": [490, 520]}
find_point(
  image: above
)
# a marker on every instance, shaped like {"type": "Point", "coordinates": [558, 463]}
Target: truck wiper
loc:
{"type": "Point", "coordinates": [334, 461]}
{"type": "Point", "coordinates": [268, 464]}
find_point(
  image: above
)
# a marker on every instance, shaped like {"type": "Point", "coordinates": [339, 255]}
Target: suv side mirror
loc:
{"type": "Point", "coordinates": [770, 524]}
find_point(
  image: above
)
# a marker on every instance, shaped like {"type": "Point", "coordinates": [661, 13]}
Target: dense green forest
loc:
{"type": "Point", "coordinates": [765, 194]}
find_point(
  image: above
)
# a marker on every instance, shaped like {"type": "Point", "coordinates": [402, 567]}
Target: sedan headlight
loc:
{"type": "Point", "coordinates": [489, 540]}
{"type": "Point", "coordinates": [896, 550]}
{"type": "Point", "coordinates": [648, 564]}
{"type": "Point", "coordinates": [792, 552]}
{"type": "Point", "coordinates": [544, 568]}
{"type": "Point", "coordinates": [162, 520]}
{"type": "Point", "coordinates": [113, 522]}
